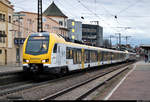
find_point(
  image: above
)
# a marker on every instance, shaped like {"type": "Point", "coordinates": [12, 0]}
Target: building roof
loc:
{"type": "Point", "coordinates": [53, 10]}
{"type": "Point", "coordinates": [145, 46]}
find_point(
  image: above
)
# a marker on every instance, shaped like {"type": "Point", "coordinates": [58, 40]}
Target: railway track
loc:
{"type": "Point", "coordinates": [8, 90]}
{"type": "Point", "coordinates": [83, 89]}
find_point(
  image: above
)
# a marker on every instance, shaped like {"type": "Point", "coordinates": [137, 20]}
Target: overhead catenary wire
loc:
{"type": "Point", "coordinates": [93, 13]}
{"type": "Point", "coordinates": [131, 5]}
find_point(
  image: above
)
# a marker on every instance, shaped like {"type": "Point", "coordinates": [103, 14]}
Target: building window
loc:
{"type": "Point", "coordinates": [47, 26]}
{"type": "Point", "coordinates": [0, 36]}
{"type": "Point", "coordinates": [3, 37]}
{"type": "Point", "coordinates": [2, 17]}
{"type": "Point", "coordinates": [0, 51]}
{"type": "Point", "coordinates": [60, 23]}
{"type": "Point", "coordinates": [65, 23]}
{"type": "Point", "coordinates": [9, 19]}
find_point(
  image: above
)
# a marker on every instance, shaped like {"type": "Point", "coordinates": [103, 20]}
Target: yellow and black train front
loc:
{"type": "Point", "coordinates": [36, 52]}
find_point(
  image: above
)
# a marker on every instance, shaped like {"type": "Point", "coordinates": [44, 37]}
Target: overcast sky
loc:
{"type": "Point", "coordinates": [128, 17]}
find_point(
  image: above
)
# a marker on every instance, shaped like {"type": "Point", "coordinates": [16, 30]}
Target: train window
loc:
{"type": "Point", "coordinates": [67, 53]}
{"type": "Point", "coordinates": [71, 53]}
{"type": "Point", "coordinates": [74, 56]}
{"type": "Point", "coordinates": [94, 56]}
{"type": "Point", "coordinates": [86, 56]}
{"type": "Point", "coordinates": [55, 48]}
{"type": "Point", "coordinates": [102, 56]}
{"type": "Point", "coordinates": [79, 56]}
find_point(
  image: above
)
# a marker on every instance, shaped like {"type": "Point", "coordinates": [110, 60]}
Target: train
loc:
{"type": "Point", "coordinates": [46, 52]}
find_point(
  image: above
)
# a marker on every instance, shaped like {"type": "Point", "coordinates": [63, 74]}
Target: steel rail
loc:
{"type": "Point", "coordinates": [28, 86]}
{"type": "Point", "coordinates": [60, 93]}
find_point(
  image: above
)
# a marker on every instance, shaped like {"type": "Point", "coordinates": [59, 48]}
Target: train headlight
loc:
{"type": "Point", "coordinates": [24, 60]}
{"type": "Point", "coordinates": [43, 61]}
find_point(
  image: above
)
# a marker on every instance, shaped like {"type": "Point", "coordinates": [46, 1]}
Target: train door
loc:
{"type": "Point", "coordinates": [63, 54]}
{"type": "Point", "coordinates": [59, 56]}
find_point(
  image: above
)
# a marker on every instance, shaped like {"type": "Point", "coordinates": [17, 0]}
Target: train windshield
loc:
{"type": "Point", "coordinates": [37, 45]}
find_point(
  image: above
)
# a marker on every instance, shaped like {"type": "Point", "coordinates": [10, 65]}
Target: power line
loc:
{"type": "Point", "coordinates": [131, 5]}
{"type": "Point", "coordinates": [136, 16]}
{"type": "Point", "coordinates": [92, 12]}
{"type": "Point", "coordinates": [88, 9]}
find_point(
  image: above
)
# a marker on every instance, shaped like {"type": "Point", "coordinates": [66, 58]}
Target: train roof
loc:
{"type": "Point", "coordinates": [40, 34]}
{"type": "Point", "coordinates": [57, 38]}
{"type": "Point", "coordinates": [60, 39]}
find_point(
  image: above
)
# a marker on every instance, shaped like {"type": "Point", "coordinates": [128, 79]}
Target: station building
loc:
{"type": "Point", "coordinates": [6, 36]}
{"type": "Point", "coordinates": [56, 14]}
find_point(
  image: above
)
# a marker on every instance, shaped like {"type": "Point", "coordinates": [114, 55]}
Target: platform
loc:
{"type": "Point", "coordinates": [5, 69]}
{"type": "Point", "coordinates": [135, 86]}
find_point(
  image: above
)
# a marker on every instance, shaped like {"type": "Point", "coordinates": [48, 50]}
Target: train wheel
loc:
{"type": "Point", "coordinates": [64, 71]}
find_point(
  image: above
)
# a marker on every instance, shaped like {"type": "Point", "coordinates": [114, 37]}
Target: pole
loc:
{"type": "Point", "coordinates": [110, 41]}
{"type": "Point", "coordinates": [40, 23]}
{"type": "Point", "coordinates": [120, 41]}
{"type": "Point", "coordinates": [19, 36]}
{"type": "Point", "coordinates": [126, 40]}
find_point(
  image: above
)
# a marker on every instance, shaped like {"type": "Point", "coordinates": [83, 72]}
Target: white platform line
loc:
{"type": "Point", "coordinates": [110, 94]}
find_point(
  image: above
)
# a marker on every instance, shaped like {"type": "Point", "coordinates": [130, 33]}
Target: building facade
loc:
{"type": "Point", "coordinates": [6, 36]}
{"type": "Point", "coordinates": [56, 14]}
{"type": "Point", "coordinates": [75, 30]}
{"type": "Point", "coordinates": [92, 35]}
{"type": "Point", "coordinates": [25, 23]}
